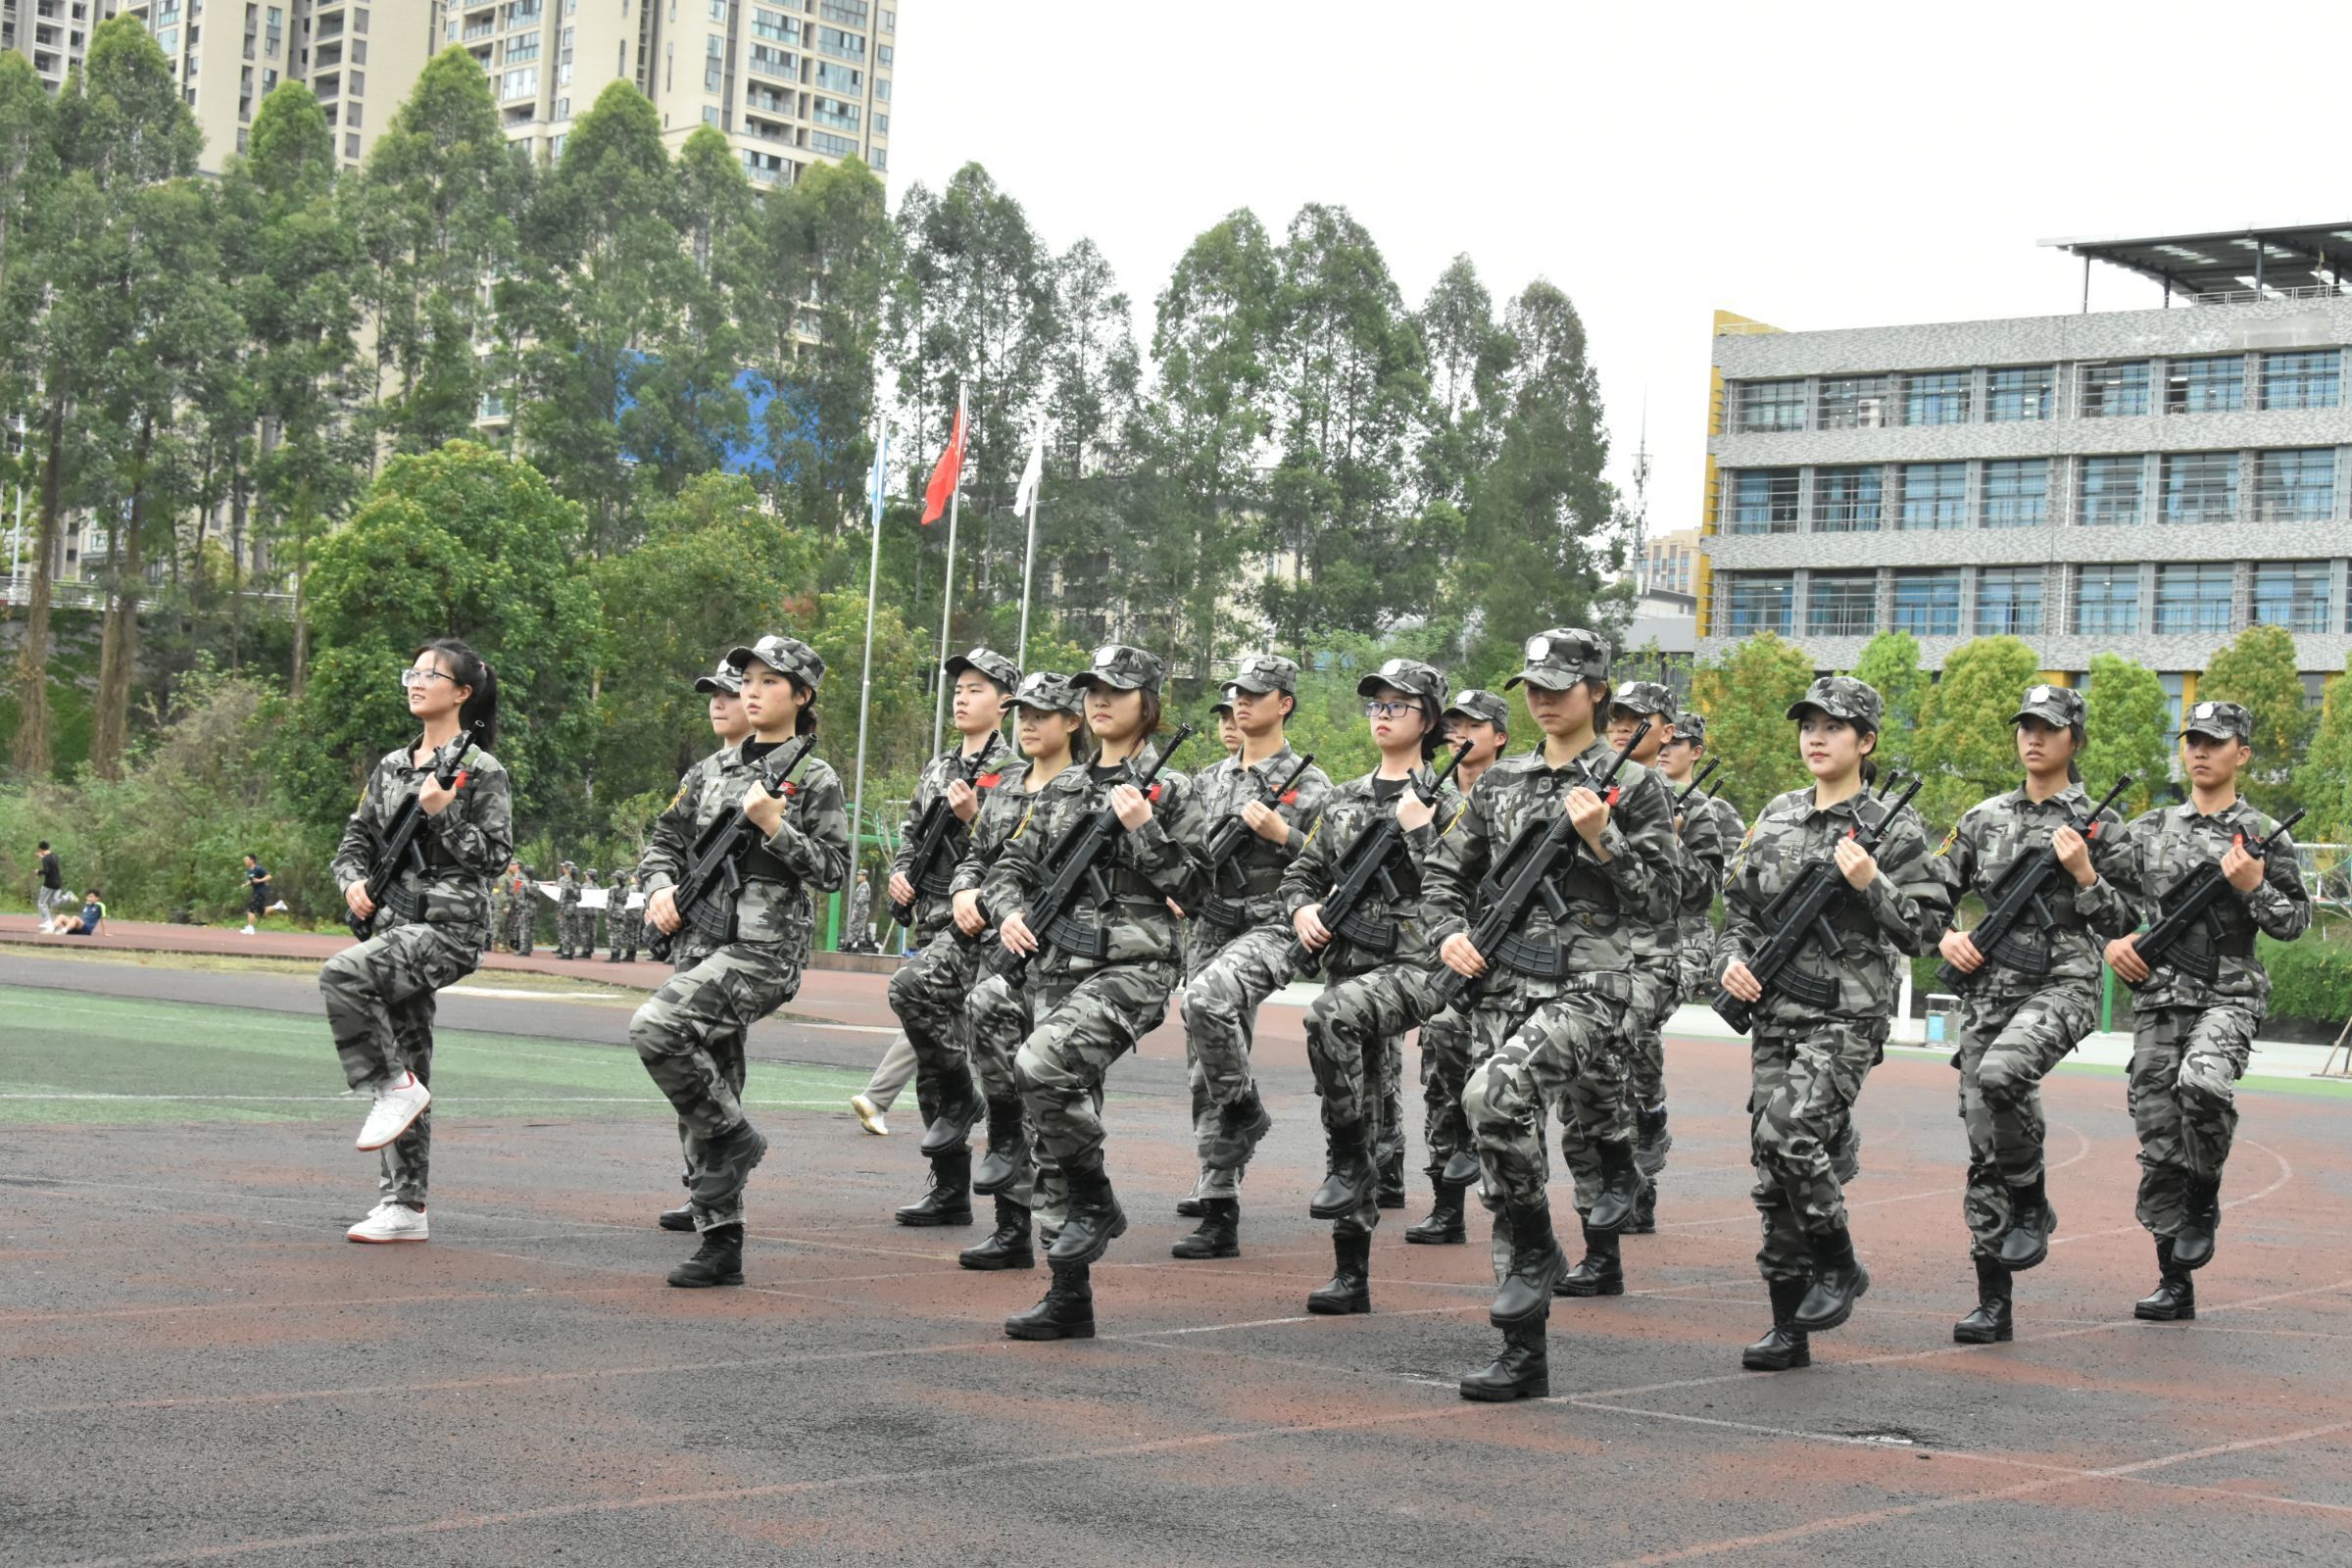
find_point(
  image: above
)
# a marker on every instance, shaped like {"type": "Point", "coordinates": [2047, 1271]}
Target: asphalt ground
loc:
{"type": "Point", "coordinates": [195, 1366]}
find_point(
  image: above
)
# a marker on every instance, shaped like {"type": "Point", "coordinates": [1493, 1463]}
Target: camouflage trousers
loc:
{"type": "Point", "coordinates": [1657, 992]}
{"type": "Point", "coordinates": [567, 927]}
{"type": "Point", "coordinates": [380, 998]}
{"type": "Point", "coordinates": [1084, 1022]}
{"type": "Point", "coordinates": [729, 1050]}
{"type": "Point", "coordinates": [525, 922]}
{"type": "Point", "coordinates": [1445, 1063]}
{"type": "Point", "coordinates": [1694, 959]}
{"type": "Point", "coordinates": [2010, 1038]}
{"type": "Point", "coordinates": [1801, 1102]}
{"type": "Point", "coordinates": [2186, 1064]}
{"type": "Point", "coordinates": [1565, 1051]}
{"type": "Point", "coordinates": [1355, 1043]}
{"type": "Point", "coordinates": [680, 1030]}
{"type": "Point", "coordinates": [998, 1019]}
{"type": "Point", "coordinates": [930, 993]}
{"type": "Point", "coordinates": [1598, 1120]}
{"type": "Point", "coordinates": [1221, 999]}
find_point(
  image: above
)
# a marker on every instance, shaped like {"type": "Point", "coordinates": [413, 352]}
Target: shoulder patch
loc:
{"type": "Point", "coordinates": [1949, 838]}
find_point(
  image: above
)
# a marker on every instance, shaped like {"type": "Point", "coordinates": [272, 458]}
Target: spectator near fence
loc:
{"type": "Point", "coordinates": [49, 894]}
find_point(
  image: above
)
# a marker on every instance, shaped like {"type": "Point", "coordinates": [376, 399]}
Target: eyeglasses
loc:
{"type": "Point", "coordinates": [413, 676]}
{"type": "Point", "coordinates": [1377, 709]}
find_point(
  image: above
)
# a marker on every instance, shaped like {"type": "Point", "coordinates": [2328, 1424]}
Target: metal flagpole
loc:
{"type": "Point", "coordinates": [947, 598]}
{"type": "Point", "coordinates": [875, 485]}
{"type": "Point", "coordinates": [1020, 657]}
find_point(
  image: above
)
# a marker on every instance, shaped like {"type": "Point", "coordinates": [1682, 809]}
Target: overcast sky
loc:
{"type": "Point", "coordinates": [1812, 166]}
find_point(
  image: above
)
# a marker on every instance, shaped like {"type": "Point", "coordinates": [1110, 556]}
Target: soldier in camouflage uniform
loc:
{"type": "Point", "coordinates": [1194, 1204]}
{"type": "Point", "coordinates": [1710, 826]}
{"type": "Point", "coordinates": [758, 969]}
{"type": "Point", "coordinates": [861, 915]}
{"type": "Point", "coordinates": [591, 918]}
{"type": "Point", "coordinates": [623, 924]}
{"type": "Point", "coordinates": [1236, 943]}
{"type": "Point", "coordinates": [567, 908]}
{"type": "Point", "coordinates": [2190, 1039]}
{"type": "Point", "coordinates": [2028, 1004]}
{"type": "Point", "coordinates": [502, 903]}
{"type": "Point", "coordinates": [525, 912]}
{"type": "Point", "coordinates": [1091, 1011]}
{"type": "Point", "coordinates": [929, 992]}
{"type": "Point", "coordinates": [1376, 965]}
{"type": "Point", "coordinates": [1809, 1064]}
{"type": "Point", "coordinates": [1549, 1017]}
{"type": "Point", "coordinates": [427, 932]}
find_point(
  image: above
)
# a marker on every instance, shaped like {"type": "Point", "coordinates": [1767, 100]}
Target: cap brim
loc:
{"type": "Point", "coordinates": [1797, 710]}
{"type": "Point", "coordinates": [1091, 679]}
{"type": "Point", "coordinates": [1551, 680]}
{"type": "Point", "coordinates": [1255, 688]}
{"type": "Point", "coordinates": [2211, 734]}
{"type": "Point", "coordinates": [2048, 715]}
{"type": "Point", "coordinates": [711, 685]}
{"type": "Point", "coordinates": [739, 657]}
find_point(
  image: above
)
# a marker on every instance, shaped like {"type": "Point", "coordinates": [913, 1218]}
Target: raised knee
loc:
{"type": "Point", "coordinates": [1210, 1004]}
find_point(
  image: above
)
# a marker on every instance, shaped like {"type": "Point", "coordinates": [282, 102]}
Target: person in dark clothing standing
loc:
{"type": "Point", "coordinates": [51, 892]}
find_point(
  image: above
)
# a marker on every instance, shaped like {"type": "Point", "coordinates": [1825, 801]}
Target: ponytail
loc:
{"type": "Point", "coordinates": [805, 721]}
{"type": "Point", "coordinates": [1870, 761]}
{"type": "Point", "coordinates": [2074, 760]}
{"type": "Point", "coordinates": [480, 714]}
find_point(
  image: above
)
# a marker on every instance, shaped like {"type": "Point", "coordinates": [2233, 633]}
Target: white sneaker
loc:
{"type": "Point", "coordinates": [390, 1222]}
{"type": "Point", "coordinates": [398, 1104]}
{"type": "Point", "coordinates": [280, 907]}
{"type": "Point", "coordinates": [870, 1115]}
{"type": "Point", "coordinates": [249, 930]}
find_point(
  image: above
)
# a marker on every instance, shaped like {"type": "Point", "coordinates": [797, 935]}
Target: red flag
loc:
{"type": "Point", "coordinates": [948, 474]}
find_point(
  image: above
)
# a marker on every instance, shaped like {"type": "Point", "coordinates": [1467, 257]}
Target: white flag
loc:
{"type": "Point", "coordinates": [1025, 495]}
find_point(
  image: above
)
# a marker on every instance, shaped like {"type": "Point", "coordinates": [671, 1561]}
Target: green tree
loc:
{"type": "Point", "coordinates": [34, 370]}
{"type": "Point", "coordinates": [2127, 730]}
{"type": "Point", "coordinates": [1889, 661]}
{"type": "Point", "coordinates": [688, 411]}
{"type": "Point", "coordinates": [1964, 745]}
{"type": "Point", "coordinates": [1745, 695]}
{"type": "Point", "coordinates": [2258, 669]}
{"type": "Point", "coordinates": [2324, 783]}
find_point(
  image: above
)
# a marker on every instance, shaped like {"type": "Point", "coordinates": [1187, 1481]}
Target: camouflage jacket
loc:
{"type": "Point", "coordinates": [931, 908]}
{"type": "Point", "coordinates": [809, 853]}
{"type": "Point", "coordinates": [1348, 810]}
{"type": "Point", "coordinates": [1000, 811]}
{"type": "Point", "coordinates": [1156, 862]}
{"type": "Point", "coordinates": [1637, 884]}
{"type": "Point", "coordinates": [1903, 913]}
{"type": "Point", "coordinates": [1225, 786]}
{"type": "Point", "coordinates": [861, 909]}
{"type": "Point", "coordinates": [464, 848]}
{"type": "Point", "coordinates": [2159, 848]}
{"type": "Point", "coordinates": [1992, 835]}
{"type": "Point", "coordinates": [1710, 829]}
{"type": "Point", "coordinates": [568, 891]}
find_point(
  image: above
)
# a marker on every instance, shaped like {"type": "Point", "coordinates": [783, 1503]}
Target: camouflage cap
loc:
{"type": "Point", "coordinates": [786, 656]}
{"type": "Point", "coordinates": [1122, 666]}
{"type": "Point", "coordinates": [2060, 707]}
{"type": "Point", "coordinates": [1220, 705]}
{"type": "Point", "coordinates": [2227, 721]}
{"type": "Point", "coordinates": [1560, 658]}
{"type": "Point", "coordinates": [565, 866]}
{"type": "Point", "coordinates": [1047, 692]}
{"type": "Point", "coordinates": [1407, 675]}
{"type": "Point", "coordinates": [727, 679]}
{"type": "Point", "coordinates": [1480, 707]}
{"type": "Point", "coordinates": [988, 662]}
{"type": "Point", "coordinates": [1643, 697]}
{"type": "Point", "coordinates": [1265, 672]}
{"type": "Point", "coordinates": [1842, 697]}
{"type": "Point", "coordinates": [1692, 728]}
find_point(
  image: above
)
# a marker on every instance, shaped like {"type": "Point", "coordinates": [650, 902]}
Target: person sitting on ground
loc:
{"type": "Point", "coordinates": [84, 924]}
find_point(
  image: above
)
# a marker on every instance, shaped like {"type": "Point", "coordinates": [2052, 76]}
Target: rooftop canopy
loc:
{"type": "Point", "coordinates": [2233, 266]}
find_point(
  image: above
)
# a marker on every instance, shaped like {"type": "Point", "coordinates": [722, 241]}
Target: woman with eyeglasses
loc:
{"type": "Point", "coordinates": [424, 920]}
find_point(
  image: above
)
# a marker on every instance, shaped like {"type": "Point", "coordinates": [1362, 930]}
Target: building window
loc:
{"type": "Point", "coordinates": [2309, 379]}
{"type": "Point", "coordinates": [2200, 487]}
{"type": "Point", "coordinates": [1754, 603]}
{"type": "Point", "coordinates": [2176, 691]}
{"type": "Point", "coordinates": [2116, 390]}
{"type": "Point", "coordinates": [1764, 500]}
{"type": "Point", "coordinates": [2111, 488]}
{"type": "Point", "coordinates": [2009, 602]}
{"type": "Point", "coordinates": [1768, 405]}
{"type": "Point", "coordinates": [1927, 604]}
{"type": "Point", "coordinates": [2107, 601]}
{"type": "Point", "coordinates": [2021, 392]}
{"type": "Point", "coordinates": [774, 25]}
{"type": "Point", "coordinates": [2295, 486]}
{"type": "Point", "coordinates": [1842, 604]}
{"type": "Point", "coordinates": [2215, 385]}
{"type": "Point", "coordinates": [2017, 493]}
{"type": "Point", "coordinates": [2194, 598]}
{"type": "Point", "coordinates": [824, 141]}
{"type": "Point", "coordinates": [1848, 499]}
{"type": "Point", "coordinates": [351, 144]}
{"type": "Point", "coordinates": [2294, 594]}
{"type": "Point", "coordinates": [1935, 495]}
{"type": "Point", "coordinates": [1937, 399]}
{"type": "Point", "coordinates": [839, 44]}
{"type": "Point", "coordinates": [1856, 402]}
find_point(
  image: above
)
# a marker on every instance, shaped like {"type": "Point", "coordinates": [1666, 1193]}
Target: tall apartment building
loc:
{"type": "Point", "coordinates": [2143, 482]}
{"type": "Point", "coordinates": [54, 34]}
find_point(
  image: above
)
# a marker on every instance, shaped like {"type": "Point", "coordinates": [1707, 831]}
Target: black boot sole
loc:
{"type": "Point", "coordinates": [995, 1262]}
{"type": "Point", "coordinates": [1774, 1363]}
{"type": "Point", "coordinates": [2158, 1314]}
{"type": "Point", "coordinates": [934, 1218]}
{"type": "Point", "coordinates": [1505, 1392]}
{"type": "Point", "coordinates": [1838, 1319]}
{"type": "Point", "coordinates": [1204, 1254]}
{"type": "Point", "coordinates": [1336, 1211]}
{"type": "Point", "coordinates": [1049, 1331]}
{"type": "Point", "coordinates": [2000, 1335]}
{"type": "Point", "coordinates": [1417, 1236]}
{"type": "Point", "coordinates": [677, 1219]}
{"type": "Point", "coordinates": [1587, 1288]}
{"type": "Point", "coordinates": [700, 1282]}
{"type": "Point", "coordinates": [1338, 1305]}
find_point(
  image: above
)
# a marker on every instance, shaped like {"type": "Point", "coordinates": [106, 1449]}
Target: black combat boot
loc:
{"type": "Point", "coordinates": [720, 1262]}
{"type": "Point", "coordinates": [1351, 1179]}
{"type": "Point", "coordinates": [1007, 1246]}
{"type": "Point", "coordinates": [1461, 1166]}
{"type": "Point", "coordinates": [1067, 1311]}
{"type": "Point", "coordinates": [951, 1129]}
{"type": "Point", "coordinates": [1443, 1227]}
{"type": "Point", "coordinates": [2193, 1247]}
{"type": "Point", "coordinates": [1993, 1322]}
{"type": "Point", "coordinates": [1525, 1295]}
{"type": "Point", "coordinates": [1242, 1126]}
{"type": "Point", "coordinates": [1351, 1285]}
{"type": "Point", "coordinates": [1846, 1154]}
{"type": "Point", "coordinates": [1219, 1235]}
{"type": "Point", "coordinates": [1651, 1141]}
{"type": "Point", "coordinates": [1520, 1372]}
{"type": "Point", "coordinates": [680, 1218]}
{"type": "Point", "coordinates": [1785, 1345]}
{"type": "Point", "coordinates": [2032, 1220]}
{"type": "Point", "coordinates": [2175, 1299]}
{"type": "Point", "coordinates": [1008, 1146]}
{"type": "Point", "coordinates": [1190, 1207]}
{"type": "Point", "coordinates": [1391, 1192]}
{"type": "Point", "coordinates": [1600, 1272]}
{"type": "Point", "coordinates": [1095, 1219]}
{"type": "Point", "coordinates": [949, 1200]}
{"type": "Point", "coordinates": [1620, 1185]}
{"type": "Point", "coordinates": [1839, 1281]}
{"type": "Point", "coordinates": [1645, 1210]}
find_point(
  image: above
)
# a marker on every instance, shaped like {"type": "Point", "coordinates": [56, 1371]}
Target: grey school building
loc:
{"type": "Point", "coordinates": [2142, 483]}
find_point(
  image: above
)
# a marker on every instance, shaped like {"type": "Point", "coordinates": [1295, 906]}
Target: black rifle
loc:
{"type": "Point", "coordinates": [2017, 895]}
{"type": "Point", "coordinates": [1228, 884]}
{"type": "Point", "coordinates": [705, 897]}
{"type": "Point", "coordinates": [2183, 935]}
{"type": "Point", "coordinates": [1800, 913]}
{"type": "Point", "coordinates": [938, 828]}
{"type": "Point", "coordinates": [1696, 779]}
{"type": "Point", "coordinates": [1075, 878]}
{"type": "Point", "coordinates": [401, 854]}
{"type": "Point", "coordinates": [1529, 872]}
{"type": "Point", "coordinates": [1368, 868]}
